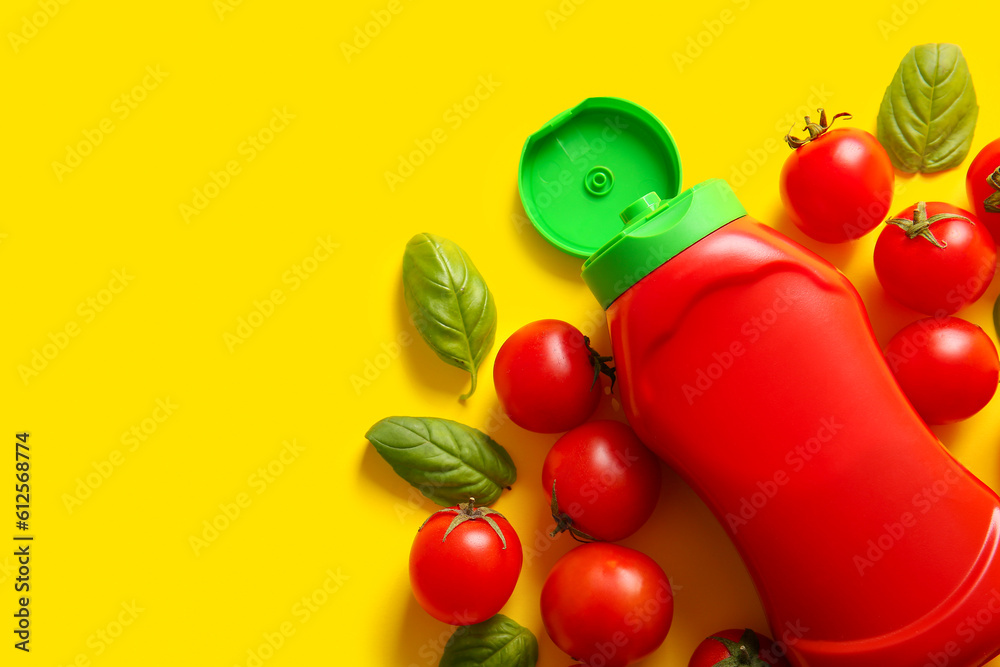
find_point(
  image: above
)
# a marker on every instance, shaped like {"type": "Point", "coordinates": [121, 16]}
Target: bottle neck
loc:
{"type": "Point", "coordinates": [656, 231]}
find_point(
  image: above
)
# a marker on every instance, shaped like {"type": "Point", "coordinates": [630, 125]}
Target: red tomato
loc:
{"type": "Point", "coordinates": [916, 271]}
{"type": "Point", "coordinates": [605, 604]}
{"type": "Point", "coordinates": [839, 185]}
{"type": "Point", "coordinates": [606, 481]}
{"type": "Point", "coordinates": [982, 182]}
{"type": "Point", "coordinates": [744, 647]}
{"type": "Point", "coordinates": [467, 576]}
{"type": "Point", "coordinates": [545, 377]}
{"type": "Point", "coordinates": [947, 367]}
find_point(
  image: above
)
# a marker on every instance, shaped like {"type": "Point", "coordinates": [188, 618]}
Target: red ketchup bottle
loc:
{"type": "Point", "coordinates": [749, 365]}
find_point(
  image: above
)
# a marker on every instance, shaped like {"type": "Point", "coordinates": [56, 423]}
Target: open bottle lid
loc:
{"type": "Point", "coordinates": [586, 165]}
{"type": "Point", "coordinates": [605, 163]}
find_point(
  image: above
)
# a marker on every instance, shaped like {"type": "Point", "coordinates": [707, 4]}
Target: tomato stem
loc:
{"type": "Point", "coordinates": [744, 652]}
{"type": "Point", "coordinates": [564, 522]}
{"type": "Point", "coordinates": [814, 130]}
{"type": "Point", "coordinates": [469, 512]}
{"type": "Point", "coordinates": [992, 203]}
{"type": "Point", "coordinates": [920, 224]}
{"type": "Point", "coordinates": [600, 364]}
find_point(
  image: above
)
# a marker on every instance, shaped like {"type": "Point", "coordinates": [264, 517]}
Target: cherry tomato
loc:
{"type": "Point", "coordinates": [982, 182]}
{"type": "Point", "coordinates": [838, 184]}
{"type": "Point", "coordinates": [605, 604]}
{"type": "Point", "coordinates": [606, 481]}
{"type": "Point", "coordinates": [947, 367]}
{"type": "Point", "coordinates": [935, 258]}
{"type": "Point", "coordinates": [546, 377]}
{"type": "Point", "coordinates": [739, 647]}
{"type": "Point", "coordinates": [464, 576]}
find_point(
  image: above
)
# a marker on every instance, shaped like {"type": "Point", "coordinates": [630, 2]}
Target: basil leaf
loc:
{"type": "Point", "coordinates": [448, 462]}
{"type": "Point", "coordinates": [498, 642]}
{"type": "Point", "coordinates": [929, 111]}
{"type": "Point", "coordinates": [449, 302]}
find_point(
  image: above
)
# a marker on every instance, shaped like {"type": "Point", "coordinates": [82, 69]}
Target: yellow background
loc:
{"type": "Point", "coordinates": [336, 507]}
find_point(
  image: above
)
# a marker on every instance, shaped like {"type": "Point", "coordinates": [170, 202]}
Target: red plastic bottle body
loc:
{"type": "Point", "coordinates": [749, 365]}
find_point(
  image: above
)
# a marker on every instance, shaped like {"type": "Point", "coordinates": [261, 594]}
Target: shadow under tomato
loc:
{"type": "Point", "coordinates": [423, 364]}
{"type": "Point", "coordinates": [949, 433]}
{"type": "Point", "coordinates": [835, 253]}
{"type": "Point", "coordinates": [600, 337]}
{"type": "Point", "coordinates": [526, 448]}
{"type": "Point", "coordinates": [541, 550]}
{"type": "Point", "coordinates": [421, 638]}
{"type": "Point", "coordinates": [887, 316]}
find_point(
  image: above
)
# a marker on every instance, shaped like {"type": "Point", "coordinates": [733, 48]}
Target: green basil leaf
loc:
{"type": "Point", "coordinates": [449, 302]}
{"type": "Point", "coordinates": [929, 111]}
{"type": "Point", "coordinates": [448, 462]}
{"type": "Point", "coordinates": [498, 642]}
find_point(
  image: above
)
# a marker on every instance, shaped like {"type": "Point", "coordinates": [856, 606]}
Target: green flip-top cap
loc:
{"type": "Point", "coordinates": [604, 162]}
{"type": "Point", "coordinates": [588, 163]}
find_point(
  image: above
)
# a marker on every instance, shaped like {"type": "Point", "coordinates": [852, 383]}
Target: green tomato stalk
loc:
{"type": "Point", "coordinates": [920, 224]}
{"type": "Point", "coordinates": [469, 512]}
